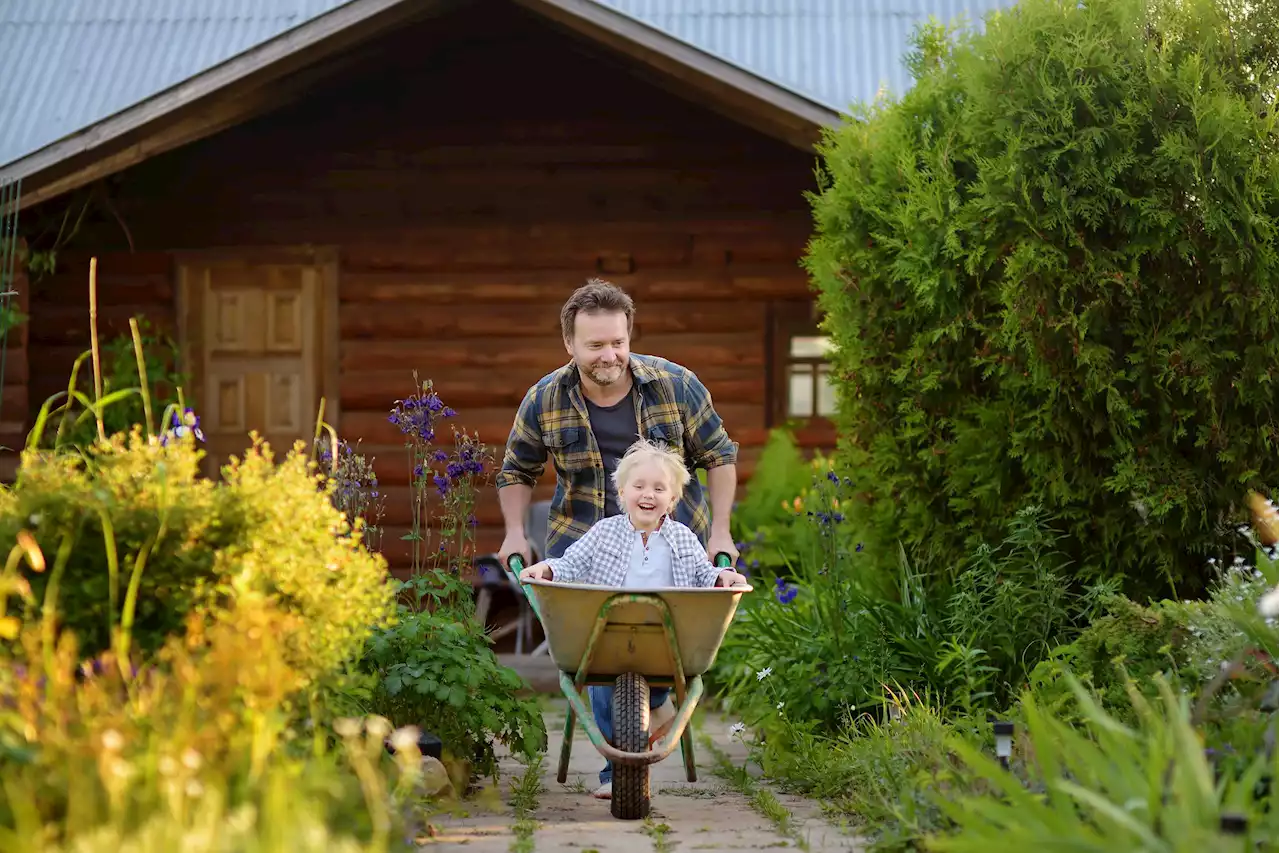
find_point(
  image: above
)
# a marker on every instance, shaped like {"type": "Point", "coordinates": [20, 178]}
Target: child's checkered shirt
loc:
{"type": "Point", "coordinates": [603, 556]}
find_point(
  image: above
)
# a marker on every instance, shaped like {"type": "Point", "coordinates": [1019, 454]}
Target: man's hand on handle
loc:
{"type": "Point", "coordinates": [515, 543]}
{"type": "Point", "coordinates": [721, 542]}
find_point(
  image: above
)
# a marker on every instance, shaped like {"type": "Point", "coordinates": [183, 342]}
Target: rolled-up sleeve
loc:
{"type": "Point", "coordinates": [708, 443]}
{"type": "Point", "coordinates": [526, 456]}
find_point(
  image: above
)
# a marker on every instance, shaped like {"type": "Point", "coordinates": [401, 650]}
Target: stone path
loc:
{"type": "Point", "coordinates": [710, 814]}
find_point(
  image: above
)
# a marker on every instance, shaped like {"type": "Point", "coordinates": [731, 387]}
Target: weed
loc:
{"type": "Point", "coordinates": [761, 799]}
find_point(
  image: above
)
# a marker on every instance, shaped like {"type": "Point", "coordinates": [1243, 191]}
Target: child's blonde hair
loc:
{"type": "Point", "coordinates": [669, 459]}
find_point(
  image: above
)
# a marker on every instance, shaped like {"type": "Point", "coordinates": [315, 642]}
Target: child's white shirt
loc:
{"type": "Point", "coordinates": [650, 562]}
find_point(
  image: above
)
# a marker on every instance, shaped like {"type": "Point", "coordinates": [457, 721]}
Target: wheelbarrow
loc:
{"type": "Point", "coordinates": [632, 639]}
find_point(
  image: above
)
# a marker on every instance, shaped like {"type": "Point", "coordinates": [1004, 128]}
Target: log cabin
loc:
{"type": "Point", "coordinates": [379, 187]}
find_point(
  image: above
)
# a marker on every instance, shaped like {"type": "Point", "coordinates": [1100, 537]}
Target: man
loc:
{"type": "Point", "coordinates": [586, 414]}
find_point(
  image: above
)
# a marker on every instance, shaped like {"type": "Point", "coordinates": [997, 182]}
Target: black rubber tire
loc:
{"type": "Point", "coordinates": [630, 734]}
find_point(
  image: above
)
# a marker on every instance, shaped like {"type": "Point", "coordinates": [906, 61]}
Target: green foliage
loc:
{"type": "Point", "coordinates": [436, 669]}
{"type": "Point", "coordinates": [206, 752]}
{"type": "Point", "coordinates": [434, 666]}
{"type": "Point", "coordinates": [138, 540]}
{"type": "Point", "coordinates": [842, 631]}
{"type": "Point", "coordinates": [1049, 271]}
{"type": "Point", "coordinates": [1128, 641]}
{"type": "Point", "coordinates": [75, 426]}
{"type": "Point", "coordinates": [765, 513]}
{"type": "Point", "coordinates": [1108, 787]}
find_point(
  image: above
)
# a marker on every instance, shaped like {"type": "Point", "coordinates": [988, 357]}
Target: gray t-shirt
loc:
{"type": "Point", "coordinates": [615, 429]}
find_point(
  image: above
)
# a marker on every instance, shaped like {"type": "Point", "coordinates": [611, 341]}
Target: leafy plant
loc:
{"type": "Point", "coordinates": [160, 359]}
{"type": "Point", "coordinates": [1049, 270]}
{"type": "Point", "coordinates": [436, 669]}
{"type": "Point", "coordinates": [434, 666]}
{"type": "Point", "coordinates": [140, 540]}
{"type": "Point", "coordinates": [1107, 787]}
{"type": "Point", "coordinates": [355, 488]}
{"type": "Point", "coordinates": [200, 747]}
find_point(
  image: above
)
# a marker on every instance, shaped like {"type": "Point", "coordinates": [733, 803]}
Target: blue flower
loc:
{"type": "Point", "coordinates": [784, 592]}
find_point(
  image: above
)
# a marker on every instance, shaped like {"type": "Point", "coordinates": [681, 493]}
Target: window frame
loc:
{"type": "Point", "coordinates": [790, 320]}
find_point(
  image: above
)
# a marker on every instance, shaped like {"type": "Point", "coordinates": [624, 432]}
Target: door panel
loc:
{"type": "Point", "coordinates": [254, 335]}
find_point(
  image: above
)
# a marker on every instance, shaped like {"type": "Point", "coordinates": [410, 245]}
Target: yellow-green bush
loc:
{"type": "Point", "coordinates": [200, 750]}
{"type": "Point", "coordinates": [135, 541]}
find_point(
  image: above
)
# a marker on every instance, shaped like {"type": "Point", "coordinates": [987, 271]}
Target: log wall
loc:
{"type": "Point", "coordinates": [472, 173]}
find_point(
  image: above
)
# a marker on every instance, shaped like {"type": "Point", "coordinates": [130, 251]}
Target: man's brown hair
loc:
{"type": "Point", "coordinates": [597, 296]}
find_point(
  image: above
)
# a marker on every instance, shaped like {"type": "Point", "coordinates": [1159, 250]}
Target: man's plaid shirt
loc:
{"type": "Point", "coordinates": [672, 406]}
{"type": "Point", "coordinates": [603, 556]}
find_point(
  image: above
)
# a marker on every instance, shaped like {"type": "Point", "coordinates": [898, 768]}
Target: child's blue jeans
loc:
{"type": "Point", "coordinates": [602, 709]}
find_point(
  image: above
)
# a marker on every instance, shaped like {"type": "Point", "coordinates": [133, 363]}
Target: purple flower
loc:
{"type": "Point", "coordinates": [188, 422]}
{"type": "Point", "coordinates": [439, 455]}
{"type": "Point", "coordinates": [416, 416]}
{"type": "Point", "coordinates": [785, 592]}
{"type": "Point", "coordinates": [442, 484]}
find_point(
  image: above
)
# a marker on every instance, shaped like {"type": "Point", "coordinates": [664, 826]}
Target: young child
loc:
{"type": "Point", "coordinates": [641, 548]}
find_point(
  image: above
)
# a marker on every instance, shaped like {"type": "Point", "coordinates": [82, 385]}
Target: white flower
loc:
{"type": "Point", "coordinates": [780, 704]}
{"type": "Point", "coordinates": [404, 737]}
{"type": "Point", "coordinates": [112, 741]}
{"type": "Point", "coordinates": [346, 727]}
{"type": "Point", "coordinates": [737, 729]}
{"type": "Point", "coordinates": [1269, 604]}
{"type": "Point", "coordinates": [191, 759]}
{"type": "Point", "coordinates": [194, 788]}
{"type": "Point", "coordinates": [167, 766]}
{"type": "Point", "coordinates": [764, 673]}
{"type": "Point", "coordinates": [377, 726]}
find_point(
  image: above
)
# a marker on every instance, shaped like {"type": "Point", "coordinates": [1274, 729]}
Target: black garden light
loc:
{"type": "Point", "coordinates": [1004, 741]}
{"type": "Point", "coordinates": [1233, 824]}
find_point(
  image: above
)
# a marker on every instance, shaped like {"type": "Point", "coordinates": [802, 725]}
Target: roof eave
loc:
{"type": "Point", "coordinates": [240, 87]}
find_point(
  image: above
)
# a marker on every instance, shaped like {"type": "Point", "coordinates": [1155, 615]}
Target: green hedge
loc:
{"type": "Point", "coordinates": [1050, 271]}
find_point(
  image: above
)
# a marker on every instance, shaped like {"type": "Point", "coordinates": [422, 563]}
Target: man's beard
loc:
{"type": "Point", "coordinates": [607, 375]}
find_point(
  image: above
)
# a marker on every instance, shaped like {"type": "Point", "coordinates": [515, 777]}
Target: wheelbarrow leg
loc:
{"type": "Point", "coordinates": [686, 738]}
{"type": "Point", "coordinates": [562, 772]}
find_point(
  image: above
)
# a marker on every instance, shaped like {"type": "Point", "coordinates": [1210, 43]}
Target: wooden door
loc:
{"type": "Point", "coordinates": [257, 341]}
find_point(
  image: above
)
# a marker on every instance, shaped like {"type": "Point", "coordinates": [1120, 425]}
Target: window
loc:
{"type": "Point", "coordinates": [802, 387]}
{"type": "Point", "coordinates": [809, 390]}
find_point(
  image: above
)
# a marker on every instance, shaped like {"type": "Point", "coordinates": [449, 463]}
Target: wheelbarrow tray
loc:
{"type": "Point", "coordinates": [667, 635]}
{"type": "Point", "coordinates": [633, 638]}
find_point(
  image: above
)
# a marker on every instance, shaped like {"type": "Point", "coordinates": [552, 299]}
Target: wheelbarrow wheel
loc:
{"type": "Point", "coordinates": [630, 734]}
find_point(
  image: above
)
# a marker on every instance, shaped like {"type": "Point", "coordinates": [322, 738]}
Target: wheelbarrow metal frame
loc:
{"type": "Point", "coordinates": [688, 691]}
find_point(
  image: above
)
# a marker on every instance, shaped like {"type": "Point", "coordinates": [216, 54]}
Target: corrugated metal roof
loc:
{"type": "Point", "coordinates": [835, 52]}
{"type": "Point", "coordinates": [67, 64]}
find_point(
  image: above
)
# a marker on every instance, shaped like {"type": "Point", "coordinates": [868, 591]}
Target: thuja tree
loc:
{"type": "Point", "coordinates": [1050, 270]}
